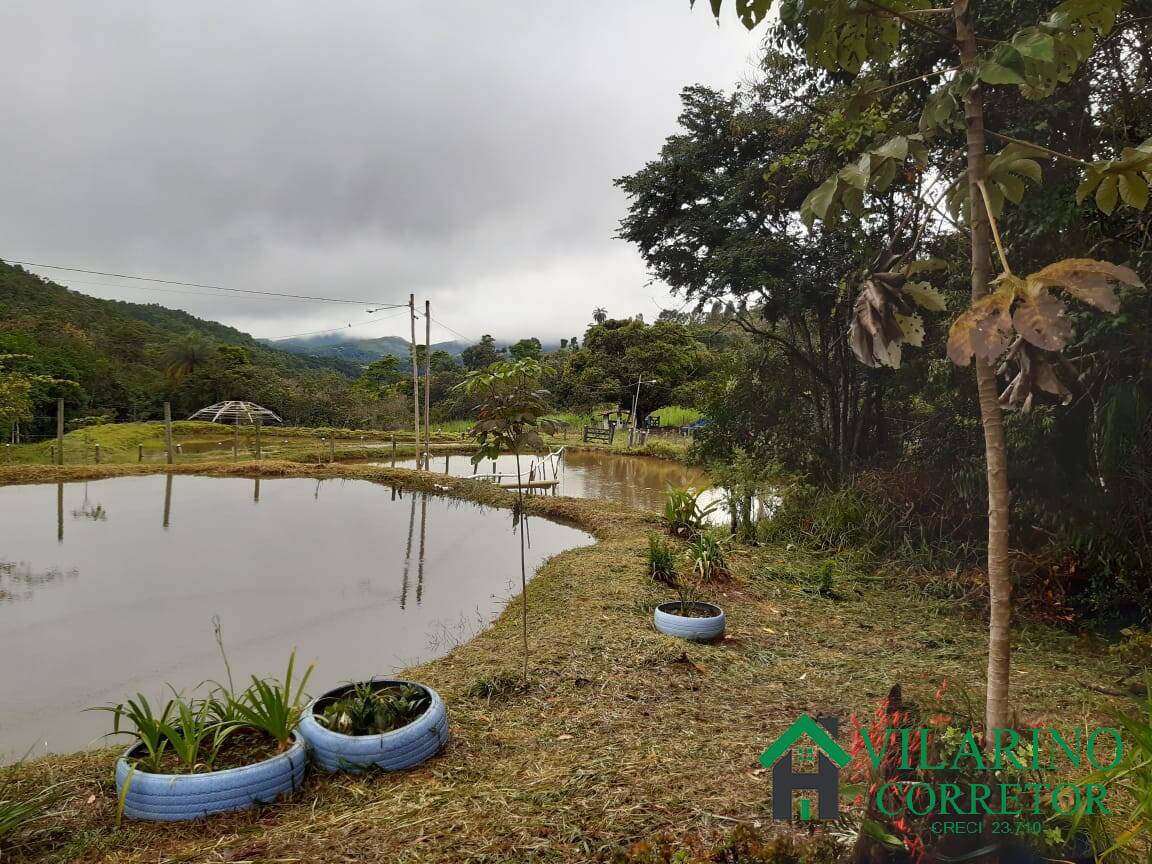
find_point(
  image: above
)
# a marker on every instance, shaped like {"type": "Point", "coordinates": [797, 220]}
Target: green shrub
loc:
{"type": "Point", "coordinates": [676, 415]}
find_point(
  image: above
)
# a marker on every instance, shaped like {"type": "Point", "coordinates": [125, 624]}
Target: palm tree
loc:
{"type": "Point", "coordinates": [186, 356]}
{"type": "Point", "coordinates": [599, 314]}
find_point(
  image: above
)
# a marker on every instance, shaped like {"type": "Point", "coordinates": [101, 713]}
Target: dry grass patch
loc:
{"type": "Point", "coordinates": [622, 733]}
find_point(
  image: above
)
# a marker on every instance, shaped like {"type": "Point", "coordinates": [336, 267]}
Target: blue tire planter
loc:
{"type": "Point", "coordinates": [183, 797]}
{"type": "Point", "coordinates": [391, 751]}
{"type": "Point", "coordinates": [693, 629]}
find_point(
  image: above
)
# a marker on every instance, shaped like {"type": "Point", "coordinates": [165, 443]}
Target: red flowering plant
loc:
{"type": "Point", "coordinates": [924, 780]}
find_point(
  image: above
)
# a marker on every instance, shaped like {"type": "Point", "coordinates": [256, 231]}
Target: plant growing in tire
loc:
{"type": "Point", "coordinates": [689, 617]}
{"type": "Point", "coordinates": [382, 723]}
{"type": "Point", "coordinates": [193, 757]}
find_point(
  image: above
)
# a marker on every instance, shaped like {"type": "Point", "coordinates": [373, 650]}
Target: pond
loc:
{"type": "Point", "coordinates": [110, 587]}
{"type": "Point", "coordinates": [641, 482]}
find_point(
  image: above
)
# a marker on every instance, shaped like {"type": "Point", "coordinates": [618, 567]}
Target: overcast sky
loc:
{"type": "Point", "coordinates": [464, 151]}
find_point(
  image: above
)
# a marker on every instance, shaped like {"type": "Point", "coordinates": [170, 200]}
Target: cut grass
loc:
{"type": "Point", "coordinates": [623, 733]}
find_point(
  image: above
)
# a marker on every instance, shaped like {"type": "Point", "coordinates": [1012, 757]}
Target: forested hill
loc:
{"type": "Point", "coordinates": [359, 350]}
{"type": "Point", "coordinates": [120, 354]}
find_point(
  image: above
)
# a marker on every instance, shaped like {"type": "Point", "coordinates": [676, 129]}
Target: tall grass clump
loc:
{"type": "Point", "coordinates": [683, 515]}
{"type": "Point", "coordinates": [661, 561]}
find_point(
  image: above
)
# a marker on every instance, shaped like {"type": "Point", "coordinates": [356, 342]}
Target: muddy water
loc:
{"type": "Point", "coordinates": [110, 587]}
{"type": "Point", "coordinates": [636, 481]}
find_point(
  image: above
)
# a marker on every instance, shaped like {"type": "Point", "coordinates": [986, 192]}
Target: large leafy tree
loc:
{"type": "Point", "coordinates": [1015, 325]}
{"type": "Point", "coordinates": [715, 217]}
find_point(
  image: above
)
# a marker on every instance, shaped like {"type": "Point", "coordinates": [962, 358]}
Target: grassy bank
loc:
{"type": "Point", "coordinates": [121, 443]}
{"type": "Point", "coordinates": [622, 734]}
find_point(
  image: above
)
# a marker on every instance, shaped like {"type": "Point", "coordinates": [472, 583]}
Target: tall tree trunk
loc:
{"type": "Point", "coordinates": [997, 712]}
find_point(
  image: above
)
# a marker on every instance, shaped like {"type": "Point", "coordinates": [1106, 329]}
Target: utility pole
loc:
{"type": "Point", "coordinates": [635, 406]}
{"type": "Point", "coordinates": [428, 384]}
{"type": "Point", "coordinates": [415, 377]}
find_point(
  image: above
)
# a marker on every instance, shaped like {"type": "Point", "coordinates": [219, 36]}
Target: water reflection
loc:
{"type": "Point", "coordinates": [18, 580]}
{"type": "Point", "coordinates": [363, 579]}
{"type": "Point", "coordinates": [636, 481]}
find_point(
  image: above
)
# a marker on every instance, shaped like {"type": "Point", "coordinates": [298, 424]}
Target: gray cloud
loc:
{"type": "Point", "coordinates": [365, 148]}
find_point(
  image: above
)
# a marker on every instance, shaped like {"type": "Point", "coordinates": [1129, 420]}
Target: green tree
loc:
{"type": "Point", "coordinates": [1012, 320]}
{"type": "Point", "coordinates": [484, 353]}
{"type": "Point", "coordinates": [599, 314]}
{"type": "Point", "coordinates": [526, 349]}
{"type": "Point", "coordinates": [509, 417]}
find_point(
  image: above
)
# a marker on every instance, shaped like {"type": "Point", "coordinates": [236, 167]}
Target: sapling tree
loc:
{"type": "Point", "coordinates": [1015, 326]}
{"type": "Point", "coordinates": [509, 419]}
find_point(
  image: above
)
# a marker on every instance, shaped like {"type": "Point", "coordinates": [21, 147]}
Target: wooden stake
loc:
{"type": "Point", "coordinates": [168, 433]}
{"type": "Point", "coordinates": [140, 453]}
{"type": "Point", "coordinates": [332, 449]}
{"type": "Point", "coordinates": [97, 454]}
{"type": "Point", "coordinates": [415, 377]}
{"type": "Point", "coordinates": [59, 431]}
{"type": "Point", "coordinates": [235, 440]}
{"type": "Point", "coordinates": [259, 449]}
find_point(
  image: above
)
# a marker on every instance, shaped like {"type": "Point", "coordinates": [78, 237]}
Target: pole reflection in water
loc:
{"type": "Point", "coordinates": [256, 490]}
{"type": "Point", "coordinates": [136, 621]}
{"type": "Point", "coordinates": [408, 553]}
{"type": "Point", "coordinates": [423, 535]}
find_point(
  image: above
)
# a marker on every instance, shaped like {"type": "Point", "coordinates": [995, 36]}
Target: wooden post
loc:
{"type": "Point", "coordinates": [59, 454]}
{"type": "Point", "coordinates": [393, 449]}
{"type": "Point", "coordinates": [180, 449]}
{"type": "Point", "coordinates": [428, 384]}
{"type": "Point", "coordinates": [332, 449]}
{"type": "Point", "coordinates": [415, 377]}
{"type": "Point", "coordinates": [168, 433]}
{"type": "Point", "coordinates": [236, 440]}
{"type": "Point", "coordinates": [97, 454]}
{"type": "Point", "coordinates": [259, 449]}
{"type": "Point", "coordinates": [140, 453]}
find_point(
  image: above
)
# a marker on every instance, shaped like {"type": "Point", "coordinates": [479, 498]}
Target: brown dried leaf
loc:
{"type": "Point", "coordinates": [984, 330]}
{"type": "Point", "coordinates": [1041, 320]}
{"type": "Point", "coordinates": [1086, 279]}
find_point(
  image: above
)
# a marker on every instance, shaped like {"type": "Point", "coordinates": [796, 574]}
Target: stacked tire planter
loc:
{"type": "Point", "coordinates": [401, 748]}
{"type": "Point", "coordinates": [707, 629]}
{"type": "Point", "coordinates": [183, 797]}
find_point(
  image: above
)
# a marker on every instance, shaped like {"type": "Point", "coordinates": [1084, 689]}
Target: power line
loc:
{"type": "Point", "coordinates": [450, 330]}
{"type": "Point", "coordinates": [152, 288]}
{"type": "Point", "coordinates": [202, 285]}
{"type": "Point", "coordinates": [331, 329]}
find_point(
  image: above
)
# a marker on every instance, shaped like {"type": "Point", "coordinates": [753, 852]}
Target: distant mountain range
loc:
{"type": "Point", "coordinates": [356, 350]}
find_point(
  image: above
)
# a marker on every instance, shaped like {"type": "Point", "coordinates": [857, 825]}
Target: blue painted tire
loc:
{"type": "Point", "coordinates": [401, 748]}
{"type": "Point", "coordinates": [183, 797]}
{"type": "Point", "coordinates": [692, 629]}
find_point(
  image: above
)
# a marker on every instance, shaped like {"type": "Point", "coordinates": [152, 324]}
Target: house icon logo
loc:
{"type": "Point", "coordinates": [806, 758]}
